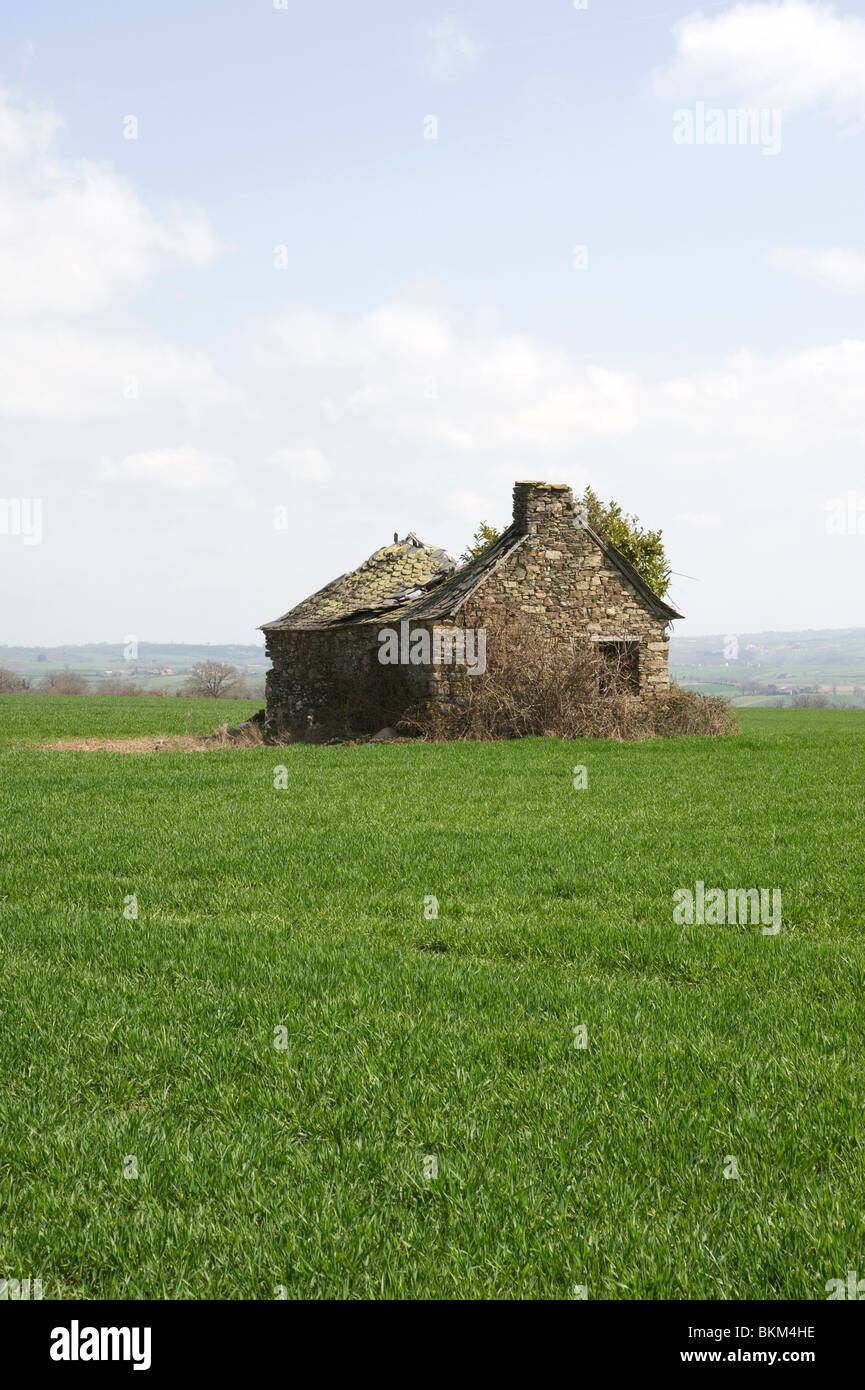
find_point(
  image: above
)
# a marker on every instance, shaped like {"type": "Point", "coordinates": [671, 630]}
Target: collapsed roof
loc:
{"type": "Point", "coordinates": [388, 580]}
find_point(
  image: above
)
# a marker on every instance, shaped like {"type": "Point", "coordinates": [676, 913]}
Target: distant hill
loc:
{"type": "Point", "coordinates": [158, 665]}
{"type": "Point", "coordinates": [772, 667]}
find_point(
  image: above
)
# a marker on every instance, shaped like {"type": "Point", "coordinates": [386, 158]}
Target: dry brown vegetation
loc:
{"type": "Point", "coordinates": [12, 684]}
{"type": "Point", "coordinates": [119, 687]}
{"type": "Point", "coordinates": [63, 683]}
{"type": "Point", "coordinates": [246, 736]}
{"type": "Point", "coordinates": [539, 686]}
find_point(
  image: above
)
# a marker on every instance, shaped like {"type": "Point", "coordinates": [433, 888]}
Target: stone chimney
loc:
{"type": "Point", "coordinates": [538, 506]}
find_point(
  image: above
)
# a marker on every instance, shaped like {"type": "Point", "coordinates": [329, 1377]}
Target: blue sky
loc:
{"type": "Point", "coordinates": [282, 295]}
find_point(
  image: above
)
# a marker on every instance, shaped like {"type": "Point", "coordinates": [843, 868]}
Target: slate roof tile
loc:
{"type": "Point", "coordinates": [390, 578]}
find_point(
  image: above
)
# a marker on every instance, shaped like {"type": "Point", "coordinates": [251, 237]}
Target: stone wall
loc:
{"type": "Point", "coordinates": [317, 676]}
{"type": "Point", "coordinates": [560, 578]}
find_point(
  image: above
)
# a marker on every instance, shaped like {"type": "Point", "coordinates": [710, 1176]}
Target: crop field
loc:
{"type": "Point", "coordinates": [414, 1020]}
{"type": "Point", "coordinates": [38, 720]}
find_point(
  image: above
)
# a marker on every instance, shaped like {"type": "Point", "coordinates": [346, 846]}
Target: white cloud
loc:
{"type": "Point", "coordinates": [514, 394]}
{"type": "Point", "coordinates": [180, 469]}
{"type": "Point", "coordinates": [468, 506]}
{"type": "Point", "coordinates": [418, 376]}
{"type": "Point", "coordinates": [26, 130]}
{"type": "Point", "coordinates": [701, 520]}
{"type": "Point", "coordinates": [449, 51]}
{"type": "Point", "coordinates": [840, 270]}
{"type": "Point", "coordinates": [302, 465]}
{"type": "Point", "coordinates": [794, 55]}
{"type": "Point", "coordinates": [56, 371]}
{"type": "Point", "coordinates": [74, 239]}
{"type": "Point", "coordinates": [73, 234]}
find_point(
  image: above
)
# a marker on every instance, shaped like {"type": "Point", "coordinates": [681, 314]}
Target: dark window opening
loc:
{"type": "Point", "coordinates": [620, 667]}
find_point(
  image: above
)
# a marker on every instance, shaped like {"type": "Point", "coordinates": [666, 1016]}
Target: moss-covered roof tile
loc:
{"type": "Point", "coordinates": [391, 577]}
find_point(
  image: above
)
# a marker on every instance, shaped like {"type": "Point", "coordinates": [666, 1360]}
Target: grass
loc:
{"type": "Point", "coordinates": [411, 1037]}
{"type": "Point", "coordinates": [39, 719]}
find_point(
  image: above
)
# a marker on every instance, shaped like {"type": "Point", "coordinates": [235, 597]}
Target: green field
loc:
{"type": "Point", "coordinates": [409, 1038]}
{"type": "Point", "coordinates": [41, 719]}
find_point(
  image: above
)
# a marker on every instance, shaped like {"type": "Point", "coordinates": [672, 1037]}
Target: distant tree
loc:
{"type": "Point", "coordinates": [119, 687]}
{"type": "Point", "coordinates": [64, 682]}
{"type": "Point", "coordinates": [644, 549]}
{"type": "Point", "coordinates": [482, 539]}
{"type": "Point", "coordinates": [215, 680]}
{"type": "Point", "coordinates": [10, 684]}
{"type": "Point", "coordinates": [810, 702]}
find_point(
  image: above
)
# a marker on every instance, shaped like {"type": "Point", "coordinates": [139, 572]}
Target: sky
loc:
{"type": "Point", "coordinates": [278, 280]}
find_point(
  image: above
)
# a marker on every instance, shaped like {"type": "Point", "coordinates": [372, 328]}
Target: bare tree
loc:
{"type": "Point", "coordinates": [10, 683]}
{"type": "Point", "coordinates": [215, 680]}
{"type": "Point", "coordinates": [118, 687]}
{"type": "Point", "coordinates": [64, 682]}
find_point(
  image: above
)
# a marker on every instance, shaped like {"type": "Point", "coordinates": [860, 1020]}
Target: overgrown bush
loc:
{"type": "Point", "coordinates": [680, 711]}
{"type": "Point", "coordinates": [63, 683]}
{"type": "Point", "coordinates": [119, 687]}
{"type": "Point", "coordinates": [10, 684]}
{"type": "Point", "coordinates": [536, 685]}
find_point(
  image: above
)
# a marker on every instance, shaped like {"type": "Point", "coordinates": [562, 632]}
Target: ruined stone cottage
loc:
{"type": "Point", "coordinates": [549, 567]}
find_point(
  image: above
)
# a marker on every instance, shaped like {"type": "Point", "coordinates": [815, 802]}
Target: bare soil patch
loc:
{"type": "Point", "coordinates": [169, 743]}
